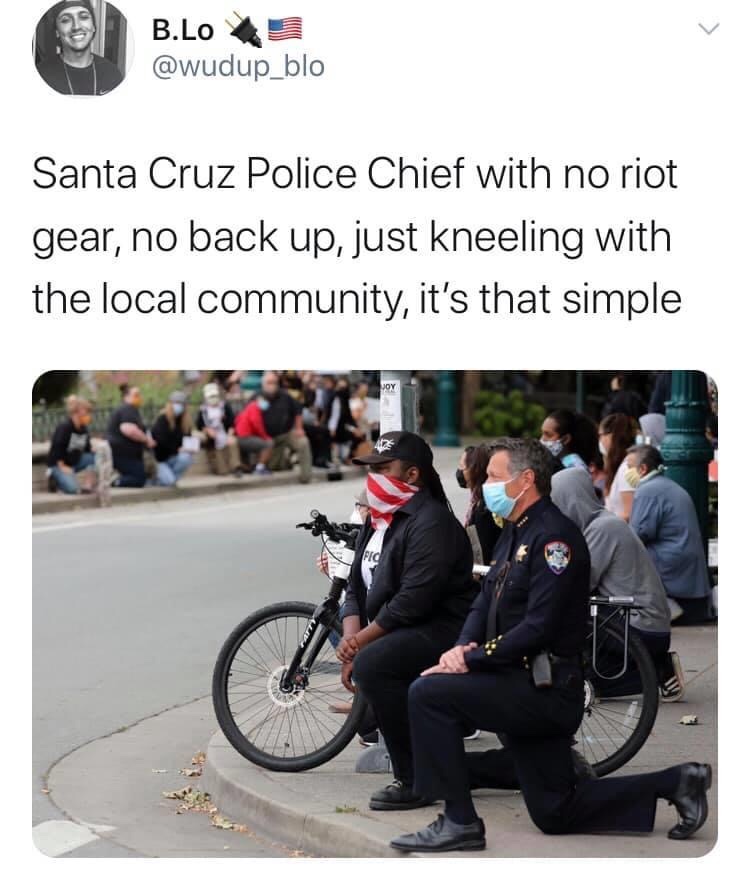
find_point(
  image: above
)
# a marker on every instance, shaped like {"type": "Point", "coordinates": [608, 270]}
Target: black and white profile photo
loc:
{"type": "Point", "coordinates": [82, 47]}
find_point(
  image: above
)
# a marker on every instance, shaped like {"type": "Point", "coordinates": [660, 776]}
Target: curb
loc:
{"type": "Point", "coordinates": [53, 503]}
{"type": "Point", "coordinates": [247, 794]}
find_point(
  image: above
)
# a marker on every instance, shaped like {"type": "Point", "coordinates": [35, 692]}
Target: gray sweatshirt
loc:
{"type": "Point", "coordinates": [620, 564]}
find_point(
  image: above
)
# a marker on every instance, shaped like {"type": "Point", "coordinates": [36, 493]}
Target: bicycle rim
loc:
{"type": "Point", "coordinates": [618, 713]}
{"type": "Point", "coordinates": [275, 729]}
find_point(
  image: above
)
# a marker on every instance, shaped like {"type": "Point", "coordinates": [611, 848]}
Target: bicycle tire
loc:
{"type": "Point", "coordinates": [222, 707]}
{"type": "Point", "coordinates": [639, 655]}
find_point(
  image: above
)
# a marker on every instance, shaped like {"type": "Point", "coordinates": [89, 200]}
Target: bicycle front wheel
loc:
{"type": "Point", "coordinates": [278, 730]}
{"type": "Point", "coordinates": [618, 712]}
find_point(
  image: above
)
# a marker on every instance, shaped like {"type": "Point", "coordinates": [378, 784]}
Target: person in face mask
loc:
{"type": "Point", "coordinates": [215, 422]}
{"type": "Point", "coordinates": [70, 450]}
{"type": "Point", "coordinates": [172, 432]}
{"type": "Point", "coordinates": [517, 670]}
{"type": "Point", "coordinates": [665, 520]}
{"type": "Point", "coordinates": [410, 588]}
{"type": "Point", "coordinates": [282, 419]}
{"type": "Point", "coordinates": [570, 437]}
{"type": "Point", "coordinates": [483, 527]}
{"type": "Point", "coordinates": [128, 437]}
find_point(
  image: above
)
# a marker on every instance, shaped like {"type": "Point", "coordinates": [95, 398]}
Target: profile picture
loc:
{"type": "Point", "coordinates": [82, 48]}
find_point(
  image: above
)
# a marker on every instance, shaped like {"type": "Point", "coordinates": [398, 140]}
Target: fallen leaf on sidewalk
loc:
{"type": "Point", "coordinates": [199, 759]}
{"type": "Point", "coordinates": [689, 720]}
{"type": "Point", "coordinates": [191, 773]}
{"type": "Point", "coordinates": [191, 800]}
{"type": "Point", "coordinates": [346, 809]}
{"type": "Point", "coordinates": [223, 824]}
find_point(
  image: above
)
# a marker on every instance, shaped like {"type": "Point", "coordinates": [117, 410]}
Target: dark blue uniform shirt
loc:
{"type": "Point", "coordinates": [535, 597]}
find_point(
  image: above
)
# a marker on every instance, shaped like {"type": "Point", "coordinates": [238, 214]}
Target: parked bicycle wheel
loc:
{"type": "Point", "coordinates": [286, 731]}
{"type": "Point", "coordinates": [619, 712]}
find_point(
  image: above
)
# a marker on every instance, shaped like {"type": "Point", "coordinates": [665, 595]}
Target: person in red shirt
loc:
{"type": "Point", "coordinates": [253, 438]}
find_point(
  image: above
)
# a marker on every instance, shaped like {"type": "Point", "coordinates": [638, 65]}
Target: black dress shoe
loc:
{"type": "Point", "coordinates": [690, 800]}
{"type": "Point", "coordinates": [397, 797]}
{"type": "Point", "coordinates": [443, 835]}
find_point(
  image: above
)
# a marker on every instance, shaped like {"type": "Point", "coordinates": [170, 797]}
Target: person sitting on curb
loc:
{"type": "Point", "coordinates": [169, 432]}
{"type": "Point", "coordinates": [282, 418]}
{"type": "Point", "coordinates": [215, 421]}
{"type": "Point", "coordinates": [128, 437]}
{"type": "Point", "coordinates": [70, 450]}
{"type": "Point", "coordinates": [253, 439]}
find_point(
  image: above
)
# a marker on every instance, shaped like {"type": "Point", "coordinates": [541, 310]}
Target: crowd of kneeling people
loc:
{"type": "Point", "coordinates": [316, 420]}
{"type": "Point", "coordinates": [437, 661]}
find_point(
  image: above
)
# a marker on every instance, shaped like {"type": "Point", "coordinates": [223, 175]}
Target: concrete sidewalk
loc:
{"type": "Point", "coordinates": [189, 486]}
{"type": "Point", "coordinates": [300, 809]}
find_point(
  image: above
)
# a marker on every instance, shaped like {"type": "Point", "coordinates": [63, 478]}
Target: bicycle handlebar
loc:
{"type": "Point", "coordinates": [320, 525]}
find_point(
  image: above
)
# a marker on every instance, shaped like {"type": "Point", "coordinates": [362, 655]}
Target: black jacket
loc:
{"type": "Point", "coordinates": [168, 439]}
{"type": "Point", "coordinates": [424, 571]}
{"type": "Point", "coordinates": [543, 602]}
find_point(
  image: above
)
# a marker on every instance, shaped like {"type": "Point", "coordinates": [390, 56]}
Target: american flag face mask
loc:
{"type": "Point", "coordinates": [385, 495]}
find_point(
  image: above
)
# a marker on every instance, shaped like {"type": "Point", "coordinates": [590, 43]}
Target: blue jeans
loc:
{"type": "Point", "coordinates": [169, 470]}
{"type": "Point", "coordinates": [67, 481]}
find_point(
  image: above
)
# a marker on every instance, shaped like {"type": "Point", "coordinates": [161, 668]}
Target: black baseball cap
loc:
{"type": "Point", "coordinates": [398, 445]}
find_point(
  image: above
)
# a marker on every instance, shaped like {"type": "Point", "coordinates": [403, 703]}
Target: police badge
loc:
{"type": "Point", "coordinates": [557, 555]}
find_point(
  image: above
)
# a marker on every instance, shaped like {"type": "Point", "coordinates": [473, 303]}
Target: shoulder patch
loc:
{"type": "Point", "coordinates": [557, 554]}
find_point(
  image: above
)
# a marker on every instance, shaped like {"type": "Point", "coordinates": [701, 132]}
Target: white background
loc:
{"type": "Point", "coordinates": [565, 81]}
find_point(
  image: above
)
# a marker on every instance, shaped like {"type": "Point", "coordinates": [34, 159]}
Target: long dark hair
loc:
{"type": "Point", "coordinates": [582, 431]}
{"type": "Point", "coordinates": [622, 430]}
{"type": "Point", "coordinates": [476, 459]}
{"type": "Point", "coordinates": [431, 481]}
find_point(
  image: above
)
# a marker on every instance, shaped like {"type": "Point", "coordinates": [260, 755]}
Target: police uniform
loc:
{"type": "Point", "coordinates": [533, 600]}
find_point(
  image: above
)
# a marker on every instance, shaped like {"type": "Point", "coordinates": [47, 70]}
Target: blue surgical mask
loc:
{"type": "Point", "coordinates": [497, 500]}
{"type": "Point", "coordinates": [178, 408]}
{"type": "Point", "coordinates": [554, 446]}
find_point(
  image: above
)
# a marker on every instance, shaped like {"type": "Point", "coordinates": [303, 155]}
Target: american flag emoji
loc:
{"type": "Point", "coordinates": [284, 28]}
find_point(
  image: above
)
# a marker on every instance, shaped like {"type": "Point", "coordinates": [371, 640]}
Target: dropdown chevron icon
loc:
{"type": "Point", "coordinates": [706, 30]}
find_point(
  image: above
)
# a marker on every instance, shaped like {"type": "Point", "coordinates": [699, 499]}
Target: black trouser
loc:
{"type": "Point", "coordinates": [320, 444]}
{"type": "Point", "coordinates": [131, 469]}
{"type": "Point", "coordinates": [538, 725]}
{"type": "Point", "coordinates": [383, 672]}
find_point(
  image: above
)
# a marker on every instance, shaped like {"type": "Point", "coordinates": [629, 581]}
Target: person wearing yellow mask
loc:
{"type": "Point", "coordinates": [70, 450]}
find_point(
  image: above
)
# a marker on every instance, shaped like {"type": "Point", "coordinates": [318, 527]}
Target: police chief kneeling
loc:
{"type": "Point", "coordinates": [515, 667]}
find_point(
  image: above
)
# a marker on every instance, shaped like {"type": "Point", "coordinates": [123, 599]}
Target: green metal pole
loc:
{"type": "Point", "coordinates": [446, 434]}
{"type": "Point", "coordinates": [686, 450]}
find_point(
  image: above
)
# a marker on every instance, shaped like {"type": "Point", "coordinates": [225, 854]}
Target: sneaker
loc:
{"type": "Point", "coordinates": [369, 739]}
{"type": "Point", "coordinates": [261, 469]}
{"type": "Point", "coordinates": [675, 609]}
{"type": "Point", "coordinates": [397, 796]}
{"type": "Point", "coordinates": [471, 735]}
{"type": "Point", "coordinates": [672, 689]}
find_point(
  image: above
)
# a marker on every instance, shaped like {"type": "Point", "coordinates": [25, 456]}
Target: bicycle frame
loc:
{"type": "Point", "coordinates": [325, 614]}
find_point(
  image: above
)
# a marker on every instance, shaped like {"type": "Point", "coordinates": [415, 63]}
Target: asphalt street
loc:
{"type": "Point", "coordinates": [131, 606]}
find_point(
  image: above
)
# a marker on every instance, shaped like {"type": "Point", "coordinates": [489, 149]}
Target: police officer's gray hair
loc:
{"type": "Point", "coordinates": [647, 455]}
{"type": "Point", "coordinates": [527, 454]}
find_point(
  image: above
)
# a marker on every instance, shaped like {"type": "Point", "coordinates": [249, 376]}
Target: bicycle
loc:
{"type": "Point", "coordinates": [278, 697]}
